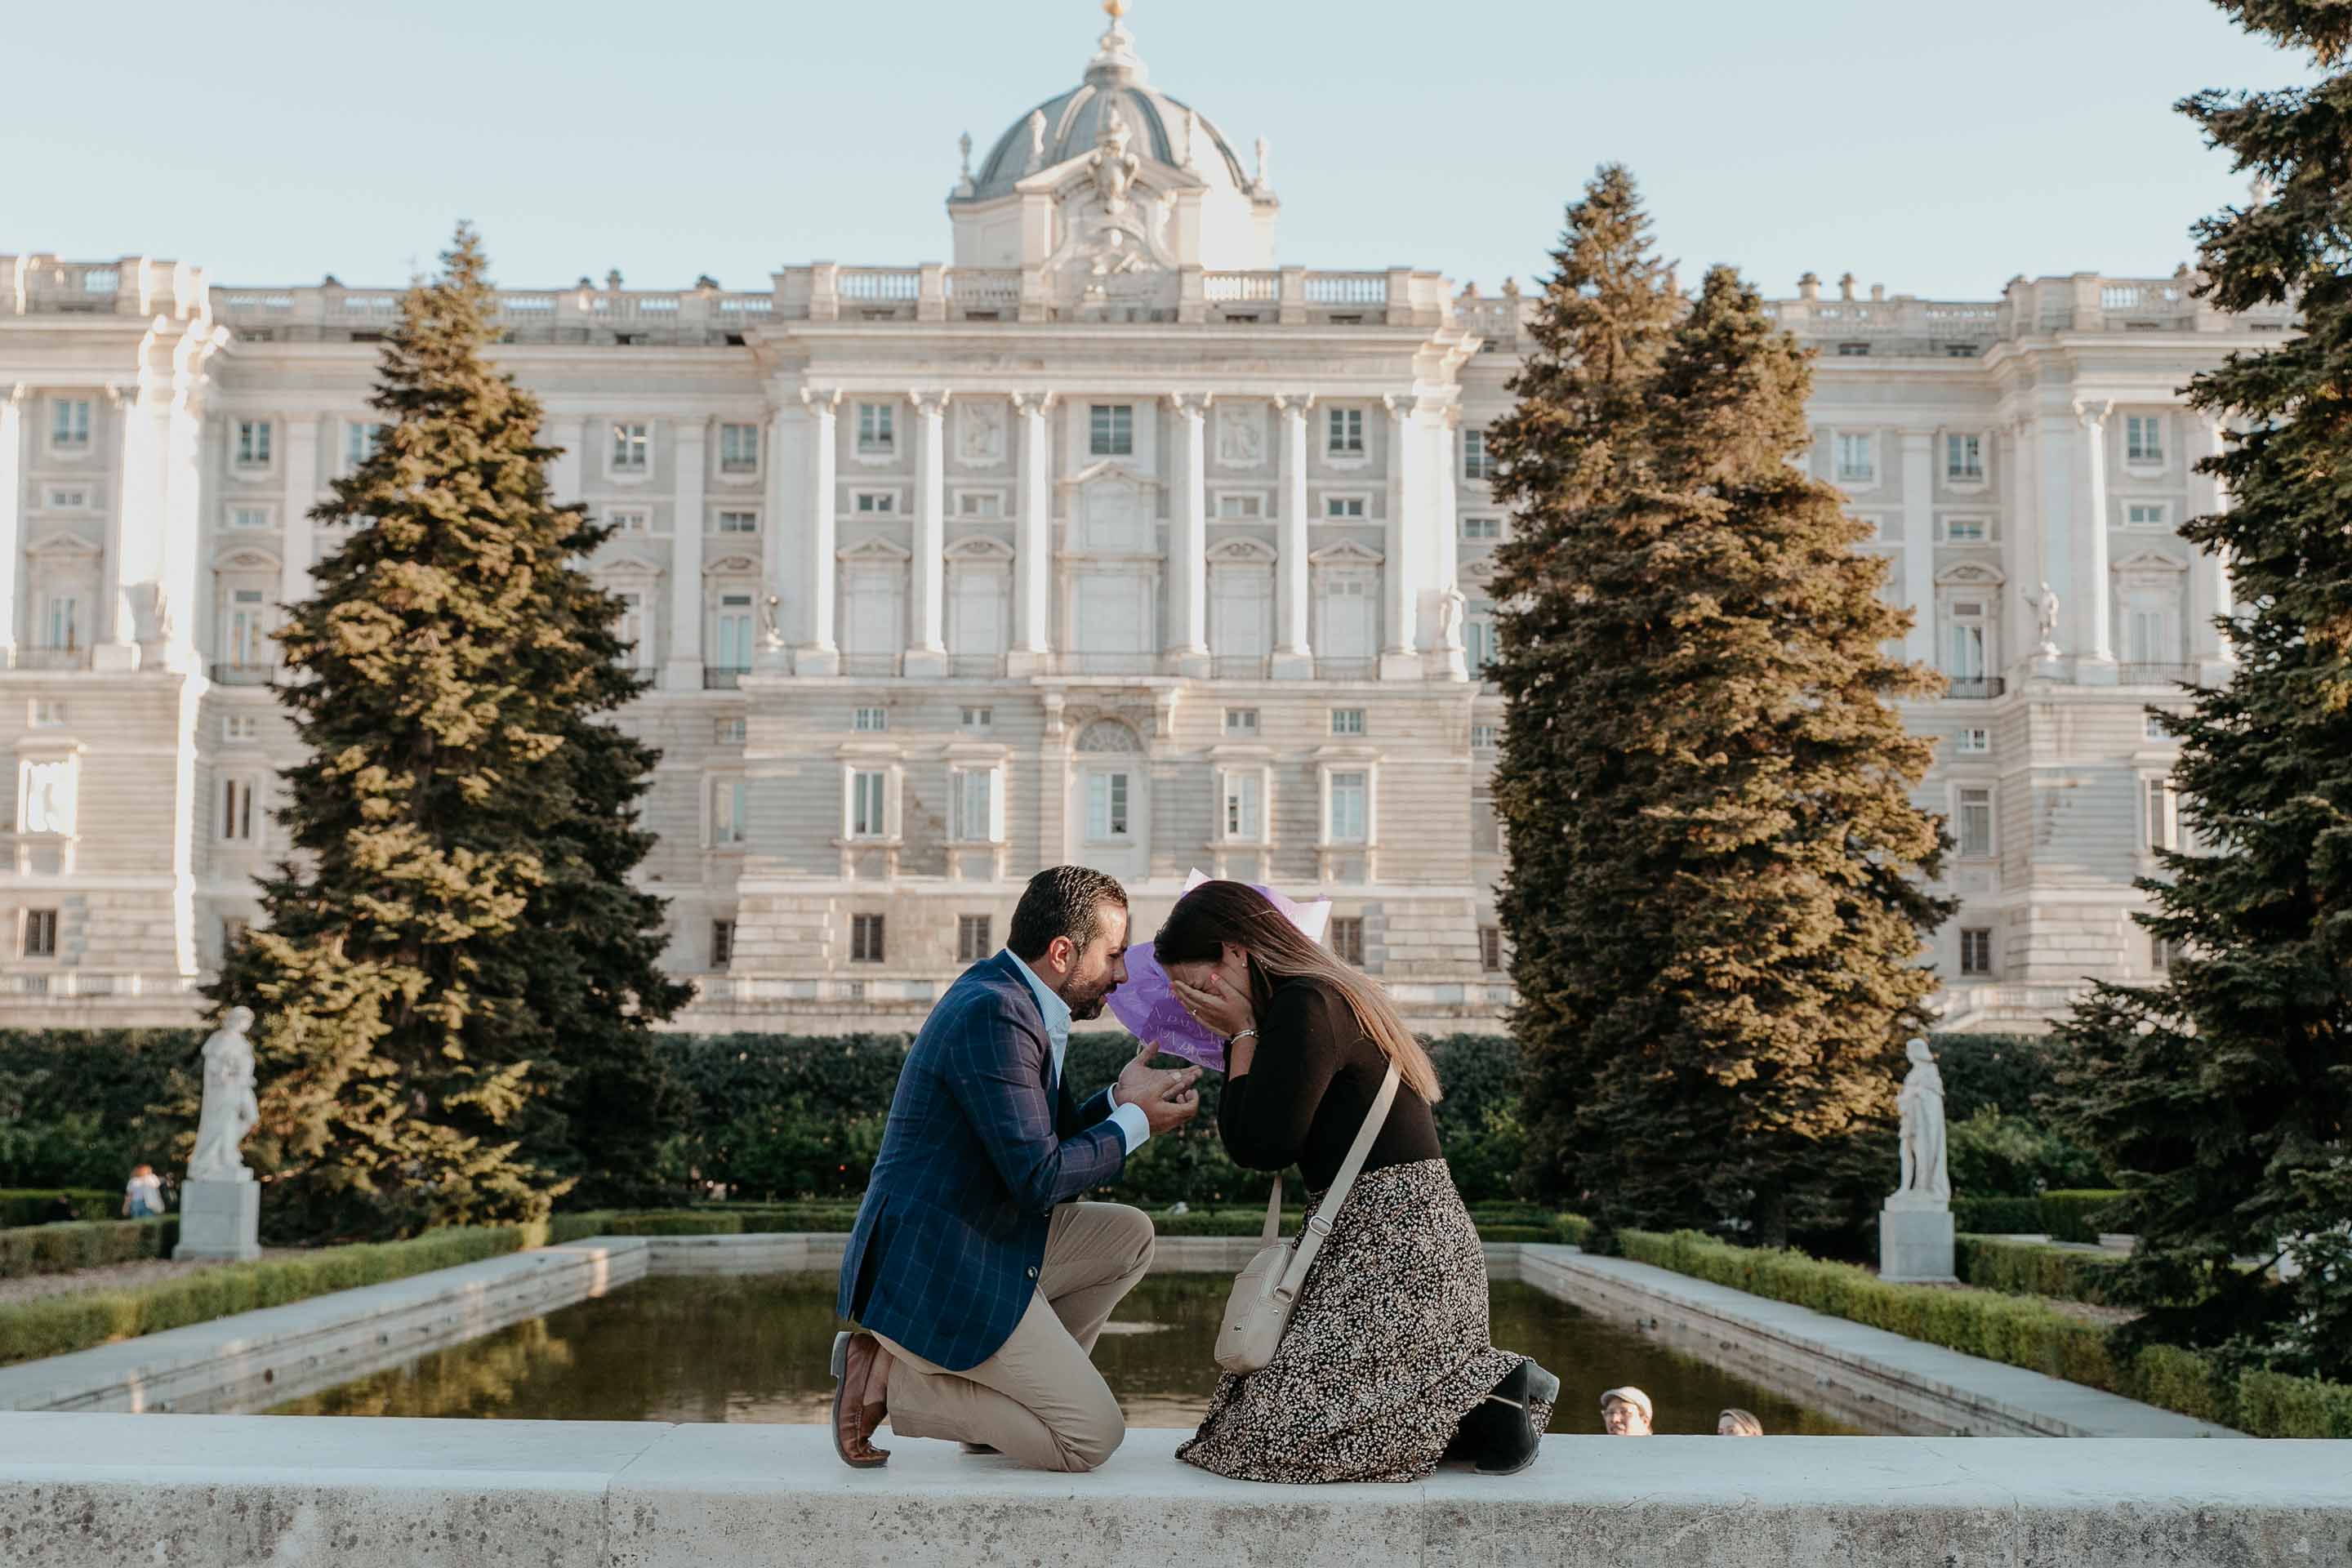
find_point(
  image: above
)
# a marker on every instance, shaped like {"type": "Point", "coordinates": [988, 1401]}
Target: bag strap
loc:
{"type": "Point", "coordinates": [1273, 1214]}
{"type": "Point", "coordinates": [1310, 1240]}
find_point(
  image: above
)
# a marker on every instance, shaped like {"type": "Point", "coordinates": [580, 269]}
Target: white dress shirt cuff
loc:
{"type": "Point", "coordinates": [1133, 1126]}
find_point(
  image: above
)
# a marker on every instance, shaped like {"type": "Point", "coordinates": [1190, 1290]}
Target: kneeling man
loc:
{"type": "Point", "coordinates": [978, 1285]}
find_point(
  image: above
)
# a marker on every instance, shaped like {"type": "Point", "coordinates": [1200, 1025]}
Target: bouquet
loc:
{"type": "Point", "coordinates": [1147, 1004]}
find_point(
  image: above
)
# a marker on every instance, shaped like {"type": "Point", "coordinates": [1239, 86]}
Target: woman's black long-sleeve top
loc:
{"type": "Point", "coordinates": [1312, 1080]}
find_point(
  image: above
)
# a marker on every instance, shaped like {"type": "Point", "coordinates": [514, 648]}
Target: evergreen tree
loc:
{"type": "Point", "coordinates": [456, 986]}
{"type": "Point", "coordinates": [2224, 1095]}
{"type": "Point", "coordinates": [1703, 749]}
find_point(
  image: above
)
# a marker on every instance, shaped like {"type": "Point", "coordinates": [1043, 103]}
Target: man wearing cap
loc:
{"type": "Point", "coordinates": [1625, 1412]}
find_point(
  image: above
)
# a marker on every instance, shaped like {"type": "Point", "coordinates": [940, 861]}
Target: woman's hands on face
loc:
{"type": "Point", "coordinates": [1215, 1004]}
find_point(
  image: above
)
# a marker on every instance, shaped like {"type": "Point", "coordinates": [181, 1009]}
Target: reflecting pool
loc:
{"type": "Point", "coordinates": [754, 1348]}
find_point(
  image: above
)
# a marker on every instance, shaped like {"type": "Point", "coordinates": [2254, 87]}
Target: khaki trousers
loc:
{"type": "Point", "coordinates": [1039, 1398]}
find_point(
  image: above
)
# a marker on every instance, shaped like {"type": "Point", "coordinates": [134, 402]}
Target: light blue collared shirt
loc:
{"type": "Point", "coordinates": [1134, 1127]}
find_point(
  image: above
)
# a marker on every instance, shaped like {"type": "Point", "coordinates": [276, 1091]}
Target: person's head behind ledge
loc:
{"type": "Point", "coordinates": [1070, 929]}
{"type": "Point", "coordinates": [1229, 931]}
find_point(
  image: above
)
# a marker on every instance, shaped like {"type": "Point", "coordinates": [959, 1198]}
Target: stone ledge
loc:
{"type": "Point", "coordinates": [207, 1492]}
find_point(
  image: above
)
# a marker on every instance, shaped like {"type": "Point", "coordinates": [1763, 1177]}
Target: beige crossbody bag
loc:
{"type": "Point", "coordinates": [1264, 1293]}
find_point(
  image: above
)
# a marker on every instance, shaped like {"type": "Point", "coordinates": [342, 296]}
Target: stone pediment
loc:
{"type": "Point", "coordinates": [63, 546]}
{"type": "Point", "coordinates": [628, 563]}
{"type": "Point", "coordinates": [2146, 561]}
{"type": "Point", "coordinates": [1108, 470]}
{"type": "Point", "coordinates": [873, 553]}
{"type": "Point", "coordinates": [1347, 553]}
{"type": "Point", "coordinates": [247, 558]}
{"type": "Point", "coordinates": [1974, 574]}
{"type": "Point", "coordinates": [1241, 552]}
{"type": "Point", "coordinates": [732, 565]}
{"type": "Point", "coordinates": [980, 549]}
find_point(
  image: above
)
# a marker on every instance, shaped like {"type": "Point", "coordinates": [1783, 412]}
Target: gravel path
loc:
{"type": "Point", "coordinates": [112, 1277]}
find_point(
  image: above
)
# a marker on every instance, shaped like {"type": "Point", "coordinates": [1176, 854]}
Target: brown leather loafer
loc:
{"type": "Point", "coordinates": [854, 1420]}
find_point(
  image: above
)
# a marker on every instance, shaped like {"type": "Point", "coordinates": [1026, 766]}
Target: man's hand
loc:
{"type": "Point", "coordinates": [1165, 1096]}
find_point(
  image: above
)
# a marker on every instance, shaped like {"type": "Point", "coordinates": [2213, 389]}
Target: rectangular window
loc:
{"type": "Point", "coordinates": [361, 441]}
{"type": "Point", "coordinates": [1242, 506]}
{"type": "Point", "coordinates": [1490, 948]}
{"type": "Point", "coordinates": [630, 518]}
{"type": "Point", "coordinates": [878, 429]}
{"type": "Point", "coordinates": [1241, 720]}
{"type": "Point", "coordinates": [1347, 721]}
{"type": "Point", "coordinates": [248, 629]}
{"type": "Point", "coordinates": [1479, 648]}
{"type": "Point", "coordinates": [727, 731]}
{"type": "Point", "coordinates": [973, 938]}
{"type": "Point", "coordinates": [1964, 642]}
{"type": "Point", "coordinates": [252, 443]}
{"type": "Point", "coordinates": [632, 448]}
{"type": "Point", "coordinates": [69, 423]}
{"type": "Point", "coordinates": [1348, 940]}
{"type": "Point", "coordinates": [2144, 438]}
{"type": "Point", "coordinates": [866, 796]}
{"type": "Point", "coordinates": [1476, 527]}
{"type": "Point", "coordinates": [40, 933]}
{"type": "Point", "coordinates": [2163, 952]}
{"type": "Point", "coordinates": [1965, 530]}
{"type": "Point", "coordinates": [1975, 823]}
{"type": "Point", "coordinates": [1344, 432]}
{"type": "Point", "coordinates": [738, 522]}
{"type": "Point", "coordinates": [977, 718]}
{"type": "Point", "coordinates": [2152, 728]}
{"type": "Point", "coordinates": [874, 503]}
{"type": "Point", "coordinates": [2142, 515]}
{"type": "Point", "coordinates": [739, 449]}
{"type": "Point", "coordinates": [730, 645]}
{"type": "Point", "coordinates": [979, 504]}
{"type": "Point", "coordinates": [48, 712]}
{"type": "Point", "coordinates": [1974, 743]}
{"type": "Point", "coordinates": [1351, 507]}
{"type": "Point", "coordinates": [2163, 816]}
{"type": "Point", "coordinates": [722, 943]}
{"type": "Point", "coordinates": [247, 517]}
{"type": "Point", "coordinates": [62, 623]}
{"type": "Point", "coordinates": [1350, 796]}
{"type": "Point", "coordinates": [1853, 351]}
{"type": "Point", "coordinates": [1111, 430]}
{"type": "Point", "coordinates": [1245, 807]}
{"type": "Point", "coordinates": [728, 801]}
{"type": "Point", "coordinates": [236, 810]}
{"type": "Point", "coordinates": [1485, 737]}
{"type": "Point", "coordinates": [869, 720]}
{"type": "Point", "coordinates": [233, 929]}
{"type": "Point", "coordinates": [1976, 950]}
{"type": "Point", "coordinates": [69, 498]}
{"type": "Point", "coordinates": [1857, 460]}
{"type": "Point", "coordinates": [240, 728]}
{"type": "Point", "coordinates": [972, 799]}
{"type": "Point", "coordinates": [1107, 804]}
{"type": "Point", "coordinates": [1963, 459]}
{"type": "Point", "coordinates": [865, 939]}
{"type": "Point", "coordinates": [1476, 463]}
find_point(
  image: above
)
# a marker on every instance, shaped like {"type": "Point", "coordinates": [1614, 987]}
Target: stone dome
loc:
{"type": "Point", "coordinates": [1165, 128]}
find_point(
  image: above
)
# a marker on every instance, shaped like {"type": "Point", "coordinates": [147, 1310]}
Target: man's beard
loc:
{"type": "Point", "coordinates": [1091, 1007]}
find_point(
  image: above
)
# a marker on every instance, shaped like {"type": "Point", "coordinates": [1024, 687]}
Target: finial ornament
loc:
{"type": "Point", "coordinates": [963, 186]}
{"type": "Point", "coordinates": [1114, 9]}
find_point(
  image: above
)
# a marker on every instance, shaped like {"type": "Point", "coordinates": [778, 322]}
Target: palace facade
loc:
{"type": "Point", "coordinates": [1114, 540]}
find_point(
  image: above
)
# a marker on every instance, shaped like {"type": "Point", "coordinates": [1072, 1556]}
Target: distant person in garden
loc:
{"type": "Point", "coordinates": [1738, 1424]}
{"type": "Point", "coordinates": [142, 1196]}
{"type": "Point", "coordinates": [978, 1283]}
{"type": "Point", "coordinates": [1625, 1412]}
{"type": "Point", "coordinates": [1386, 1366]}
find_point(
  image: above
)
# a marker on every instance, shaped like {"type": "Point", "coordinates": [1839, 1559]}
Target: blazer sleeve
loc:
{"type": "Point", "coordinates": [996, 1068]}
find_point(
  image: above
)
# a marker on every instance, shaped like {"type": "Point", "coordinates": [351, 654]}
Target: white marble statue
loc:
{"type": "Point", "coordinates": [229, 1111]}
{"type": "Point", "coordinates": [1925, 1174]}
{"type": "Point", "coordinates": [1450, 605]}
{"type": "Point", "coordinates": [771, 631]}
{"type": "Point", "coordinates": [2045, 616]}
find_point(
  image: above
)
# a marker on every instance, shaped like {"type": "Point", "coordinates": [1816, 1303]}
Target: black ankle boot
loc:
{"type": "Point", "coordinates": [1508, 1436]}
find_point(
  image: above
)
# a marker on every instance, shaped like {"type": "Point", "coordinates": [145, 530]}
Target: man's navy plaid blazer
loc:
{"type": "Point", "coordinates": [981, 1145]}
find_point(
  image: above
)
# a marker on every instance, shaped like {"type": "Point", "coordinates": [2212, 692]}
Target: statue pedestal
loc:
{"type": "Point", "coordinates": [220, 1222]}
{"type": "Point", "coordinates": [1914, 1242]}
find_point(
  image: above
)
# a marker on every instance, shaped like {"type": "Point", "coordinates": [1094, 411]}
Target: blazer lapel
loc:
{"type": "Point", "coordinates": [1011, 971]}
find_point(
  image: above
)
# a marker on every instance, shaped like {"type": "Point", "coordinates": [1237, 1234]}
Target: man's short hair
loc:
{"type": "Point", "coordinates": [1061, 901]}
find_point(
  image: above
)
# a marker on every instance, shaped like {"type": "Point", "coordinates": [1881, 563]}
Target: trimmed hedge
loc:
{"type": "Point", "coordinates": [2079, 1215]}
{"type": "Point", "coordinates": [2031, 1269]}
{"type": "Point", "coordinates": [2065, 1215]}
{"type": "Point", "coordinates": [2015, 1330]}
{"type": "Point", "coordinates": [58, 1325]}
{"type": "Point", "coordinates": [84, 1244]}
{"type": "Point", "coordinates": [41, 1206]}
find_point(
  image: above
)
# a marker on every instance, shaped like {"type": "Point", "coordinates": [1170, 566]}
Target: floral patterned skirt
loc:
{"type": "Point", "coordinates": [1386, 1351]}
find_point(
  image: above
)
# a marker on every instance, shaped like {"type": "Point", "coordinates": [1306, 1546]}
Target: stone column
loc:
{"type": "Point", "coordinates": [1920, 545]}
{"type": "Point", "coordinates": [1294, 656]}
{"type": "Point", "coordinates": [1188, 541]}
{"type": "Point", "coordinates": [2209, 593]}
{"type": "Point", "coordinates": [301, 459]}
{"type": "Point", "coordinates": [684, 671]}
{"type": "Point", "coordinates": [12, 511]}
{"type": "Point", "coordinates": [927, 644]}
{"type": "Point", "coordinates": [2020, 534]}
{"type": "Point", "coordinates": [1033, 567]}
{"type": "Point", "coordinates": [191, 478]}
{"type": "Point", "coordinates": [2093, 648]}
{"type": "Point", "coordinates": [1408, 524]}
{"type": "Point", "coordinates": [2058, 506]}
{"type": "Point", "coordinates": [1446, 661]}
{"type": "Point", "coordinates": [818, 655]}
{"type": "Point", "coordinates": [114, 643]}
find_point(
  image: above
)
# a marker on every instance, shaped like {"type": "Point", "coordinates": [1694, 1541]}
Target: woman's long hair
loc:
{"type": "Point", "coordinates": [1215, 913]}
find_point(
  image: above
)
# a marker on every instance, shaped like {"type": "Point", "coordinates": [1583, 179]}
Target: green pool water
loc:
{"type": "Point", "coordinates": [754, 1348]}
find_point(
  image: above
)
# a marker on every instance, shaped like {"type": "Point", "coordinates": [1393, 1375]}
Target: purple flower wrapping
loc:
{"type": "Point", "coordinates": [1147, 1004]}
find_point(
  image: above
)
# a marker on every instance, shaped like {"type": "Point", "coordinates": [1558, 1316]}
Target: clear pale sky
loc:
{"type": "Point", "coordinates": [1938, 148]}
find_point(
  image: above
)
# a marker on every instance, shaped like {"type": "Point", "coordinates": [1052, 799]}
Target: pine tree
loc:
{"type": "Point", "coordinates": [1703, 752]}
{"type": "Point", "coordinates": [1567, 457]}
{"type": "Point", "coordinates": [2223, 1096]}
{"type": "Point", "coordinates": [456, 986]}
